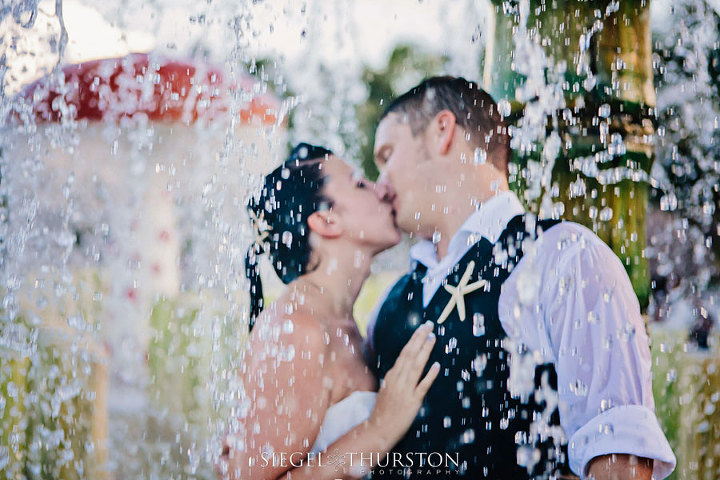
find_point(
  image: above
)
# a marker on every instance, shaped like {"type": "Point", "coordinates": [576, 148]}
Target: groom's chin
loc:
{"type": "Point", "coordinates": [407, 226]}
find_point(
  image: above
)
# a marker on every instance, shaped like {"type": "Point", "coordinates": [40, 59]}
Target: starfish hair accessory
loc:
{"type": "Point", "coordinates": [261, 229]}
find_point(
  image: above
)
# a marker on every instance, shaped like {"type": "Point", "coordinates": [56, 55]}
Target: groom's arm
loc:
{"type": "Point", "coordinates": [602, 358]}
{"type": "Point", "coordinates": [620, 467]}
{"type": "Point", "coordinates": [592, 331]}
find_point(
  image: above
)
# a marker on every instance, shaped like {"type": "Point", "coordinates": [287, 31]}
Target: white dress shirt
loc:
{"type": "Point", "coordinates": [570, 301]}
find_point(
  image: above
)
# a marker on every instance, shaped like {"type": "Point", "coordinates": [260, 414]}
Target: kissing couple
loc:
{"type": "Point", "coordinates": [513, 348]}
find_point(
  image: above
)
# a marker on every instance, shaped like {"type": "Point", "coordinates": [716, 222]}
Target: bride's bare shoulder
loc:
{"type": "Point", "coordinates": [282, 327]}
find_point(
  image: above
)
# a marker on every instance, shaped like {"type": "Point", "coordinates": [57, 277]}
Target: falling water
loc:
{"type": "Point", "coordinates": [123, 236]}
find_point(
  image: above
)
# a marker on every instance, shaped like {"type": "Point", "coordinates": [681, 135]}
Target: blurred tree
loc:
{"type": "Point", "coordinates": [687, 77]}
{"type": "Point", "coordinates": [406, 67]}
{"type": "Point", "coordinates": [575, 79]}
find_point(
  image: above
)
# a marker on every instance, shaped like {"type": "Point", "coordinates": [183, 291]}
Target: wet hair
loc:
{"type": "Point", "coordinates": [474, 109]}
{"type": "Point", "coordinates": [289, 195]}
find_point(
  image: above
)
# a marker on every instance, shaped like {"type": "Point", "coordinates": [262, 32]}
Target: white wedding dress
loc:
{"type": "Point", "coordinates": [342, 417]}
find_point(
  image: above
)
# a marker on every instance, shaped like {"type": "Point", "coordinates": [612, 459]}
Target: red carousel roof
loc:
{"type": "Point", "coordinates": [164, 90]}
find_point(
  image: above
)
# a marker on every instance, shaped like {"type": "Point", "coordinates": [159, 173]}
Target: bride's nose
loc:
{"type": "Point", "coordinates": [382, 188]}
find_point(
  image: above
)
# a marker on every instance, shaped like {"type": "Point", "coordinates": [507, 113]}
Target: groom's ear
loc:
{"type": "Point", "coordinates": [442, 129]}
{"type": "Point", "coordinates": [325, 223]}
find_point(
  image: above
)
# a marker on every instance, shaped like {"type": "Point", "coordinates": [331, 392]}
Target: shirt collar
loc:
{"type": "Point", "coordinates": [488, 221]}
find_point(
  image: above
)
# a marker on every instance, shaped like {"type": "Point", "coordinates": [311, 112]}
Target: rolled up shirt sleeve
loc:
{"type": "Point", "coordinates": [603, 358]}
{"type": "Point", "coordinates": [591, 328]}
{"type": "Point", "coordinates": [630, 429]}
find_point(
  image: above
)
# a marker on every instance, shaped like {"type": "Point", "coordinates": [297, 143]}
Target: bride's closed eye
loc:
{"type": "Point", "coordinates": [359, 180]}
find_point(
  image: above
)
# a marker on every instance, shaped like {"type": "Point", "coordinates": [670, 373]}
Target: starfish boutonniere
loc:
{"type": "Point", "coordinates": [457, 294]}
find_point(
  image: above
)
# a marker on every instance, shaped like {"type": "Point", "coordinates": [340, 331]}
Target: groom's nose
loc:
{"type": "Point", "coordinates": [382, 188]}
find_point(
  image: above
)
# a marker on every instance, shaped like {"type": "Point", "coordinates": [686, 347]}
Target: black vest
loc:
{"type": "Point", "coordinates": [469, 409]}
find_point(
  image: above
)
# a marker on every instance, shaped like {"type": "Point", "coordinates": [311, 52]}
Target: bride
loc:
{"type": "Point", "coordinates": [307, 390]}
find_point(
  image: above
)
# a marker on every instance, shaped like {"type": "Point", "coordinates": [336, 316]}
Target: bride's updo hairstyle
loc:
{"type": "Point", "coordinates": [290, 194]}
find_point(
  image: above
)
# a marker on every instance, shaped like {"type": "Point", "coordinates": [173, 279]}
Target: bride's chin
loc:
{"type": "Point", "coordinates": [391, 242]}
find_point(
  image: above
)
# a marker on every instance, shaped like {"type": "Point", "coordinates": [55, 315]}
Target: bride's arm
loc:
{"type": "Point", "coordinates": [288, 399]}
{"type": "Point", "coordinates": [396, 406]}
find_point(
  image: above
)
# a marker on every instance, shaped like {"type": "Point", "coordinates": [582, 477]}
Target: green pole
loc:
{"type": "Point", "coordinates": [598, 58]}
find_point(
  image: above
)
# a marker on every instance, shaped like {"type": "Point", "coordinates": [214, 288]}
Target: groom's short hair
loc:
{"type": "Point", "coordinates": [474, 109]}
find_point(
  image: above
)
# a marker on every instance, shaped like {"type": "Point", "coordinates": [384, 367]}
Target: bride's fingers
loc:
{"type": "Point", "coordinates": [416, 368]}
{"type": "Point", "coordinates": [413, 346]}
{"type": "Point", "coordinates": [425, 383]}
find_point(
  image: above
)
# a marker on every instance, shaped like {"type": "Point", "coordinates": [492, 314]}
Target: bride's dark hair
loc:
{"type": "Point", "coordinates": [290, 194]}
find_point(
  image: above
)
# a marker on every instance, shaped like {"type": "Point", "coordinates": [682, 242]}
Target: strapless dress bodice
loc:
{"type": "Point", "coordinates": [343, 416]}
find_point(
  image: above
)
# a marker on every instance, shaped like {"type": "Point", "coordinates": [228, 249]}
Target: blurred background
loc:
{"type": "Point", "coordinates": [132, 133]}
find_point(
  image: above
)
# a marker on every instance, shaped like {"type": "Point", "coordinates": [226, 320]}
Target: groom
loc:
{"type": "Point", "coordinates": [543, 352]}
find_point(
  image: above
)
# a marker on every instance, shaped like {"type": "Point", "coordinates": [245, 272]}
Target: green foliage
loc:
{"type": "Point", "coordinates": [687, 78]}
{"type": "Point", "coordinates": [406, 67]}
{"type": "Point", "coordinates": [685, 390]}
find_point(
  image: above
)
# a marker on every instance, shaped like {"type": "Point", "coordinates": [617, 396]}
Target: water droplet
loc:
{"type": "Point", "coordinates": [66, 239]}
{"type": "Point", "coordinates": [606, 214]}
{"type": "Point", "coordinates": [579, 388]}
{"type": "Point", "coordinates": [501, 256]}
{"type": "Point", "coordinates": [479, 364]}
{"type": "Point", "coordinates": [76, 321]}
{"type": "Point", "coordinates": [606, 429]}
{"type": "Point", "coordinates": [607, 294]}
{"type": "Point", "coordinates": [504, 107]}
{"type": "Point", "coordinates": [288, 326]}
{"type": "Point", "coordinates": [528, 456]}
{"type": "Point", "coordinates": [478, 324]}
{"type": "Point", "coordinates": [480, 156]}
{"type": "Point", "coordinates": [447, 422]}
{"type": "Point", "coordinates": [668, 202]}
{"type": "Point", "coordinates": [468, 436]}
{"type": "Point", "coordinates": [436, 237]}
{"type": "Point", "coordinates": [287, 354]}
{"type": "Point", "coordinates": [413, 318]}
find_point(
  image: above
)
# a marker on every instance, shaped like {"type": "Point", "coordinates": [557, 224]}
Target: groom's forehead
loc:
{"type": "Point", "coordinates": [391, 128]}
